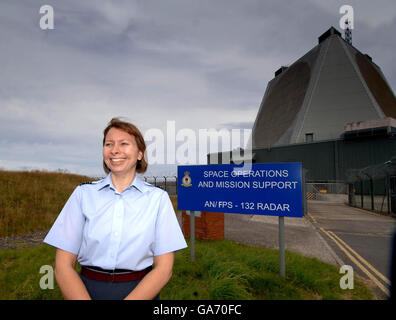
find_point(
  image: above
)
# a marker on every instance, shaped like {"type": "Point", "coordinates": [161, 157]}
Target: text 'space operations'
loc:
{"type": "Point", "coordinates": [284, 173]}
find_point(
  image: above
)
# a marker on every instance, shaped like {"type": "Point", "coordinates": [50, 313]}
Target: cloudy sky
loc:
{"type": "Point", "coordinates": [197, 64]}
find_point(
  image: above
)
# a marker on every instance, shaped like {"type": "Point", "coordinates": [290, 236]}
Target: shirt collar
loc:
{"type": "Point", "coordinates": [137, 183]}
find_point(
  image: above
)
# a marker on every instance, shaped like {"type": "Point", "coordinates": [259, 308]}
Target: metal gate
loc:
{"type": "Point", "coordinates": [329, 191]}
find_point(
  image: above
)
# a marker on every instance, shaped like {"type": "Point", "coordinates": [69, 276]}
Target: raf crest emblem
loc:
{"type": "Point", "coordinates": [186, 180]}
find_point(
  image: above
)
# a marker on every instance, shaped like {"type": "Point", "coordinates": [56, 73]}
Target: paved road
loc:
{"type": "Point", "coordinates": [300, 235]}
{"type": "Point", "coordinates": [360, 238]}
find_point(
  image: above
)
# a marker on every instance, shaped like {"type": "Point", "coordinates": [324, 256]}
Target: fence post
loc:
{"type": "Point", "coordinates": [387, 186]}
{"type": "Point", "coordinates": [371, 191]}
{"type": "Point", "coordinates": [361, 192]}
{"type": "Point", "coordinates": [351, 194]}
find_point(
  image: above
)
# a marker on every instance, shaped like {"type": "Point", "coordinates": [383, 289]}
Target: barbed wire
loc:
{"type": "Point", "coordinates": [168, 183]}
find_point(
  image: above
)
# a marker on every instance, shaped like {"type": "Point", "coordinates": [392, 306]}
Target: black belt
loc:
{"type": "Point", "coordinates": [108, 271]}
{"type": "Point", "coordinates": [116, 275]}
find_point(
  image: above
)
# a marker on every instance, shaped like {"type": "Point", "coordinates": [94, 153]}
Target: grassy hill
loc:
{"type": "Point", "coordinates": [31, 200]}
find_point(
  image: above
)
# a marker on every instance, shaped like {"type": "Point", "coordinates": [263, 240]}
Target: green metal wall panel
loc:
{"type": "Point", "coordinates": [331, 160]}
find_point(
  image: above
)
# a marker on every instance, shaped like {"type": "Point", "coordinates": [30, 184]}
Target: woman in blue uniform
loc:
{"type": "Point", "coordinates": [122, 231]}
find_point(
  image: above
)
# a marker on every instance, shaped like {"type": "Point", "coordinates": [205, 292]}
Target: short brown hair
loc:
{"type": "Point", "coordinates": [128, 127]}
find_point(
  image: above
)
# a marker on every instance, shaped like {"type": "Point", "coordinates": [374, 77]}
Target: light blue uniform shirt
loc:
{"type": "Point", "coordinates": [113, 230]}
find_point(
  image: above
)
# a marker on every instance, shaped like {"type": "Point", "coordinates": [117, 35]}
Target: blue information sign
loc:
{"type": "Point", "coordinates": [260, 188]}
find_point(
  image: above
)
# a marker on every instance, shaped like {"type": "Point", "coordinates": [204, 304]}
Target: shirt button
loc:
{"type": "Point", "coordinates": [116, 234]}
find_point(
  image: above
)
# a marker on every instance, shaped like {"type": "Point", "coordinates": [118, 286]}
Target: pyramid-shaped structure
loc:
{"type": "Point", "coordinates": [315, 97]}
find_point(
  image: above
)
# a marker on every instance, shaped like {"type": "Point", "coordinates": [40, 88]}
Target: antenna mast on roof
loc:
{"type": "Point", "coordinates": [348, 32]}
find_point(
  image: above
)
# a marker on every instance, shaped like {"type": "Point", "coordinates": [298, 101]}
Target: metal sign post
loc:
{"type": "Point", "coordinates": [192, 235]}
{"type": "Point", "coordinates": [192, 215]}
{"type": "Point", "coordinates": [282, 261]}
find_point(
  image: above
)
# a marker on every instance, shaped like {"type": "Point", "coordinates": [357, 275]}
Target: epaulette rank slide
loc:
{"type": "Point", "coordinates": [87, 182]}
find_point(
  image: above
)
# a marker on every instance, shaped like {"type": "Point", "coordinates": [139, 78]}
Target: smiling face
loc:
{"type": "Point", "coordinates": [120, 152]}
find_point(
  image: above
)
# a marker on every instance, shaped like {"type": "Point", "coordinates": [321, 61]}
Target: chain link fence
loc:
{"type": "Point", "coordinates": [374, 187]}
{"type": "Point", "coordinates": [372, 194]}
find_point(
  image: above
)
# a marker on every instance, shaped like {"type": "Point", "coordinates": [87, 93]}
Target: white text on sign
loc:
{"type": "Point", "coordinates": [248, 205]}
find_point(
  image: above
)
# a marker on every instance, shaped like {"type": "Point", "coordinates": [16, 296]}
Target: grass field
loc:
{"type": "Point", "coordinates": [31, 201]}
{"type": "Point", "coordinates": [222, 270]}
